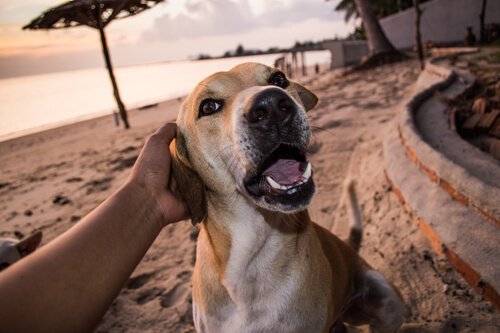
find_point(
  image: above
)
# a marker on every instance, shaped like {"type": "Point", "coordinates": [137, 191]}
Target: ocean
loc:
{"type": "Point", "coordinates": [30, 104]}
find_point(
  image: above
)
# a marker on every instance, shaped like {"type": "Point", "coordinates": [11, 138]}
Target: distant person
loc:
{"type": "Point", "coordinates": [289, 71]}
{"type": "Point", "coordinates": [470, 38]}
{"type": "Point", "coordinates": [316, 68]}
{"type": "Point", "coordinates": [280, 63]}
{"type": "Point", "coordinates": [68, 284]}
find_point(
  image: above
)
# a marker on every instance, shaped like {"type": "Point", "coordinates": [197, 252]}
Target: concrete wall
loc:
{"type": "Point", "coordinates": [346, 53]}
{"type": "Point", "coordinates": [442, 21]}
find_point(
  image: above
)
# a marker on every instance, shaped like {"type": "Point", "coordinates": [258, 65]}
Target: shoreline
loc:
{"type": "Point", "coordinates": [99, 116]}
{"type": "Point", "coordinates": [89, 122]}
{"type": "Point", "coordinates": [145, 105]}
{"type": "Point", "coordinates": [36, 103]}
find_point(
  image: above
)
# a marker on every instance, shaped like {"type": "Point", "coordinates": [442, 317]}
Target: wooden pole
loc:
{"type": "Point", "coordinates": [418, 36]}
{"type": "Point", "coordinates": [482, 34]}
{"type": "Point", "coordinates": [105, 51]}
{"type": "Point", "coordinates": [304, 71]}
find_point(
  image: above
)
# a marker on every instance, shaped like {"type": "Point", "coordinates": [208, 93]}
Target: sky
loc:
{"type": "Point", "coordinates": [175, 29]}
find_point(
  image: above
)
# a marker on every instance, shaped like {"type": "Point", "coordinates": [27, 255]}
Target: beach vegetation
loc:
{"type": "Point", "coordinates": [240, 50]}
{"type": "Point", "coordinates": [381, 8]}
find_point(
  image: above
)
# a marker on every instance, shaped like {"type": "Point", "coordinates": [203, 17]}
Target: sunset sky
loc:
{"type": "Point", "coordinates": [176, 29]}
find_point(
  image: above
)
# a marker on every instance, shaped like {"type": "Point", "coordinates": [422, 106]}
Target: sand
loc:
{"type": "Point", "coordinates": [50, 180]}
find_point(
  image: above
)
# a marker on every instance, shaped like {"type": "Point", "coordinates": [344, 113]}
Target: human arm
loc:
{"type": "Point", "coordinates": [67, 285]}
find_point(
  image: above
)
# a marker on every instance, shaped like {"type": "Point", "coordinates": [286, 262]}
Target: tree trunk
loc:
{"type": "Point", "coordinates": [105, 51]}
{"type": "Point", "coordinates": [482, 33]}
{"type": "Point", "coordinates": [377, 40]}
{"type": "Point", "coordinates": [418, 36]}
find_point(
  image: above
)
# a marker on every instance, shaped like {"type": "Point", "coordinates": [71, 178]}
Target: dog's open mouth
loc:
{"type": "Point", "coordinates": [284, 175]}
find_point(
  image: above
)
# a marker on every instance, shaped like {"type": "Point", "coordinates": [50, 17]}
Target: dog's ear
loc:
{"type": "Point", "coordinates": [308, 99]}
{"type": "Point", "coordinates": [29, 243]}
{"type": "Point", "coordinates": [189, 183]}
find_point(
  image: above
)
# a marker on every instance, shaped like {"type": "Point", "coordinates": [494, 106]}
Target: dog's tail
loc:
{"type": "Point", "coordinates": [354, 215]}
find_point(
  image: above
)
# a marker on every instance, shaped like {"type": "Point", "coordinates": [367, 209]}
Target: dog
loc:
{"type": "Point", "coordinates": [12, 250]}
{"type": "Point", "coordinates": [239, 162]}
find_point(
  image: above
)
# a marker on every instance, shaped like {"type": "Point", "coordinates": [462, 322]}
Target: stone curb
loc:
{"type": "Point", "coordinates": [454, 230]}
{"type": "Point", "coordinates": [455, 205]}
{"type": "Point", "coordinates": [450, 174]}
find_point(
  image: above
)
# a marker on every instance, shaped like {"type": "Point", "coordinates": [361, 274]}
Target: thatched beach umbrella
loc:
{"type": "Point", "coordinates": [96, 14]}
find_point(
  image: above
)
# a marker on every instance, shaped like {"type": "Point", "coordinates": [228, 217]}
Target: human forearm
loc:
{"type": "Point", "coordinates": [70, 282]}
{"type": "Point", "coordinates": [67, 285]}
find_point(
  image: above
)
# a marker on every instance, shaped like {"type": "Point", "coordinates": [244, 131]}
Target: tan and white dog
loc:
{"type": "Point", "coordinates": [261, 264]}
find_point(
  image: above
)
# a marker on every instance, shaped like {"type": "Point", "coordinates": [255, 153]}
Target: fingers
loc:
{"type": "Point", "coordinates": [166, 132]}
{"type": "Point", "coordinates": [150, 157]}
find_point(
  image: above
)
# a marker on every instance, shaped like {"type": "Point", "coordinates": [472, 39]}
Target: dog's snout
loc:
{"type": "Point", "coordinates": [271, 105]}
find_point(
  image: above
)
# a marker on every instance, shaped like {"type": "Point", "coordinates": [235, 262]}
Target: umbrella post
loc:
{"type": "Point", "coordinates": [116, 92]}
{"type": "Point", "coordinates": [96, 14]}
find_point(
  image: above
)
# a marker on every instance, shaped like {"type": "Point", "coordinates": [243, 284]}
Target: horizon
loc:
{"type": "Point", "coordinates": [171, 31]}
{"type": "Point", "coordinates": [152, 63]}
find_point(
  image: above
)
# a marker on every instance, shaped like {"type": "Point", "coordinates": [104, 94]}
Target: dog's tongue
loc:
{"type": "Point", "coordinates": [285, 172]}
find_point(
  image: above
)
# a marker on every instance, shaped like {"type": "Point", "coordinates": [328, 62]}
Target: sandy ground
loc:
{"type": "Point", "coordinates": [50, 180]}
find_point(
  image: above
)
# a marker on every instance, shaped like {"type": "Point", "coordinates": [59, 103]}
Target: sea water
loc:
{"type": "Point", "coordinates": [33, 103]}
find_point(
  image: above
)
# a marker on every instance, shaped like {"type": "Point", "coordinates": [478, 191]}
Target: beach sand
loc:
{"type": "Point", "coordinates": [50, 180]}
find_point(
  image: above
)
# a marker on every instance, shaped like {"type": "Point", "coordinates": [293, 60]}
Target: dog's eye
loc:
{"type": "Point", "coordinates": [278, 79]}
{"type": "Point", "coordinates": [209, 106]}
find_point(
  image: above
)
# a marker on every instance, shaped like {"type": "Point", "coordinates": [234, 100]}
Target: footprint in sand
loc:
{"type": "Point", "coordinates": [178, 294]}
{"type": "Point", "coordinates": [61, 200]}
{"type": "Point", "coordinates": [128, 149]}
{"type": "Point", "coordinates": [148, 295]}
{"type": "Point", "coordinates": [74, 180]}
{"type": "Point", "coordinates": [138, 281]}
{"type": "Point", "coordinates": [74, 218]}
{"type": "Point", "coordinates": [336, 123]}
{"type": "Point", "coordinates": [98, 185]}
{"type": "Point", "coordinates": [123, 163]}
{"type": "Point", "coordinates": [183, 274]}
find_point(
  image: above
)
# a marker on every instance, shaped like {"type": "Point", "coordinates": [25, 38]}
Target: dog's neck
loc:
{"type": "Point", "coordinates": [236, 228]}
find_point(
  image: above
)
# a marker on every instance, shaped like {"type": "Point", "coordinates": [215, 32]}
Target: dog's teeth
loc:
{"type": "Point", "coordinates": [307, 173]}
{"type": "Point", "coordinates": [274, 184]}
{"type": "Point", "coordinates": [305, 177]}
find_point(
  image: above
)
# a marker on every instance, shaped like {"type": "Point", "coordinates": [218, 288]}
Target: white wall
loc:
{"type": "Point", "coordinates": [442, 21]}
{"type": "Point", "coordinates": [346, 52]}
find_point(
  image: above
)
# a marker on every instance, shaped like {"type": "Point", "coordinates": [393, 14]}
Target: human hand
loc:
{"type": "Point", "coordinates": [150, 176]}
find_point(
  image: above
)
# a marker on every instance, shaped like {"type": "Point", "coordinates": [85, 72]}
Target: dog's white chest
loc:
{"type": "Point", "coordinates": [263, 284]}
{"type": "Point", "coordinates": [250, 270]}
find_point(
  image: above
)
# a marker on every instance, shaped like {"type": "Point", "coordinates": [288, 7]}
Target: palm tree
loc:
{"type": "Point", "coordinates": [380, 48]}
{"type": "Point", "coordinates": [381, 8]}
{"type": "Point", "coordinates": [349, 7]}
{"type": "Point", "coordinates": [378, 43]}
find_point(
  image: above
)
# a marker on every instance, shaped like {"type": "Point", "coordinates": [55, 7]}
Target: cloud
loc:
{"type": "Point", "coordinates": [20, 65]}
{"type": "Point", "coordinates": [16, 12]}
{"type": "Point", "coordinates": [194, 27]}
{"type": "Point", "coordinates": [201, 18]}
{"type": "Point", "coordinates": [223, 17]}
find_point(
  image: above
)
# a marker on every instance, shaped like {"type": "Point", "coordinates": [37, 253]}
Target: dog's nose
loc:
{"type": "Point", "coordinates": [271, 104]}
